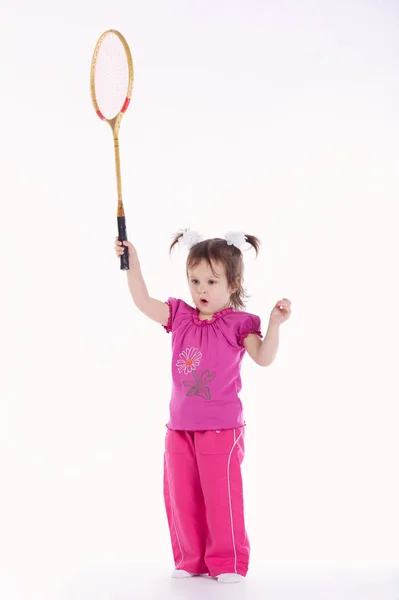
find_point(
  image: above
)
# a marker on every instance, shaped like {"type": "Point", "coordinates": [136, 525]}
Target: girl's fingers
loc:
{"type": "Point", "coordinates": [285, 302]}
{"type": "Point", "coordinates": [121, 246]}
{"type": "Point", "coordinates": [119, 243]}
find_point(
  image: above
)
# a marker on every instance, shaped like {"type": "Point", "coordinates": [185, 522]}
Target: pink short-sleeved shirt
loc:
{"type": "Point", "coordinates": [206, 365]}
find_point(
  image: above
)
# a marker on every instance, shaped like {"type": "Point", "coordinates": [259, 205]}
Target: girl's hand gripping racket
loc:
{"type": "Point", "coordinates": [111, 83]}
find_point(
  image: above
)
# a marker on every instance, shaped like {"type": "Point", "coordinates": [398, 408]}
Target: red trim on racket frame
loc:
{"type": "Point", "coordinates": [126, 104]}
{"type": "Point", "coordinates": [100, 115]}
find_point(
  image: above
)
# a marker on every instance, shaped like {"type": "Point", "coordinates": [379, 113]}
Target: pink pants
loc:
{"type": "Point", "coordinates": [204, 501]}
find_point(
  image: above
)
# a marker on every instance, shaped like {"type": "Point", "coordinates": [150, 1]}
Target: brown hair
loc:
{"type": "Point", "coordinates": [217, 250]}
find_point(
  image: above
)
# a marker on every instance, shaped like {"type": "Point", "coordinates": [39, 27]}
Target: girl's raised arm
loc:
{"type": "Point", "coordinates": [154, 309]}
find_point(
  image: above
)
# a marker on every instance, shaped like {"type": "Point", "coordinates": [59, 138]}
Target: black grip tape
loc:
{"type": "Point", "coordinates": [122, 238]}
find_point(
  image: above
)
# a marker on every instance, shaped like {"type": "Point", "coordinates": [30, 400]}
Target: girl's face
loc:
{"type": "Point", "coordinates": [210, 293]}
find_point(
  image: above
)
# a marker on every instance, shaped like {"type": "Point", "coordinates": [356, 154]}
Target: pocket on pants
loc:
{"type": "Point", "coordinates": [175, 442]}
{"type": "Point", "coordinates": [217, 442]}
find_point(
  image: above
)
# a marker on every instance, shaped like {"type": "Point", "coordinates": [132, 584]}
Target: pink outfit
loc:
{"type": "Point", "coordinates": [206, 364]}
{"type": "Point", "coordinates": [204, 445]}
{"type": "Point", "coordinates": [204, 501]}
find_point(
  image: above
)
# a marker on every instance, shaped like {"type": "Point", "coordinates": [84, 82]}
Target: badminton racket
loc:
{"type": "Point", "coordinates": [111, 84]}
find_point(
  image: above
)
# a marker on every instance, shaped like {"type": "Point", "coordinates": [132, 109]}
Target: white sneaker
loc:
{"type": "Point", "coordinates": [230, 578]}
{"type": "Point", "coordinates": [182, 574]}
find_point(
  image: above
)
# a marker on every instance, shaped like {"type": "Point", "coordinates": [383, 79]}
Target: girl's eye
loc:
{"type": "Point", "coordinates": [195, 281]}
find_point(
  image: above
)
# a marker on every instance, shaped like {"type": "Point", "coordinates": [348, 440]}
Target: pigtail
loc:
{"type": "Point", "coordinates": [238, 299]}
{"type": "Point", "coordinates": [175, 239]}
{"type": "Point", "coordinates": [254, 242]}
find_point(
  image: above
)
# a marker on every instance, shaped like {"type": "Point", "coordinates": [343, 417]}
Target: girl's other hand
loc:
{"type": "Point", "coordinates": [281, 312]}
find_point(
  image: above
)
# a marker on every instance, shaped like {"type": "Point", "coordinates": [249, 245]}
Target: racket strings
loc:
{"type": "Point", "coordinates": [111, 77]}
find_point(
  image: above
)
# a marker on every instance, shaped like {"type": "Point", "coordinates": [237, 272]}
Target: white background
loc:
{"type": "Point", "coordinates": [276, 118]}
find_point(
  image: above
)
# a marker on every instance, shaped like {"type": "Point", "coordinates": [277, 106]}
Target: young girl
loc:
{"type": "Point", "coordinates": [204, 446]}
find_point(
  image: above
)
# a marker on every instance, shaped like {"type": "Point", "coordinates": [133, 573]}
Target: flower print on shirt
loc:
{"type": "Point", "coordinates": [199, 386]}
{"type": "Point", "coordinates": [189, 360]}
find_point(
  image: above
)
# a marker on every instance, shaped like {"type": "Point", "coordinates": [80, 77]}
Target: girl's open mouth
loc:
{"type": "Point", "coordinates": [203, 301]}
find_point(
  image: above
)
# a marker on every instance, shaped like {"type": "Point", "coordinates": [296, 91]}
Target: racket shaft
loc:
{"type": "Point", "coordinates": [118, 170]}
{"type": "Point", "coordinates": [121, 214]}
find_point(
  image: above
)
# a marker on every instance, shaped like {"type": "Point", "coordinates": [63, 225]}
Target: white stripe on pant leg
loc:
{"type": "Point", "coordinates": [173, 512]}
{"type": "Point", "coordinates": [231, 511]}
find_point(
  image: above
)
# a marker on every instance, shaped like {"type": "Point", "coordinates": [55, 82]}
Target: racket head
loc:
{"type": "Point", "coordinates": [111, 78]}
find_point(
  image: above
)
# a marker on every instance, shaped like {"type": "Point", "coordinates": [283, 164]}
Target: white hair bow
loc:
{"type": "Point", "coordinates": [235, 238]}
{"type": "Point", "coordinates": [189, 238]}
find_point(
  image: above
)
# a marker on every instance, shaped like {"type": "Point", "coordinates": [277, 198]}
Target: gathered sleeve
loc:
{"type": "Point", "coordinates": [175, 307]}
{"type": "Point", "coordinates": [246, 324]}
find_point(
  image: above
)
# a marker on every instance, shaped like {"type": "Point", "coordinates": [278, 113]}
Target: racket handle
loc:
{"type": "Point", "coordinates": [123, 238]}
